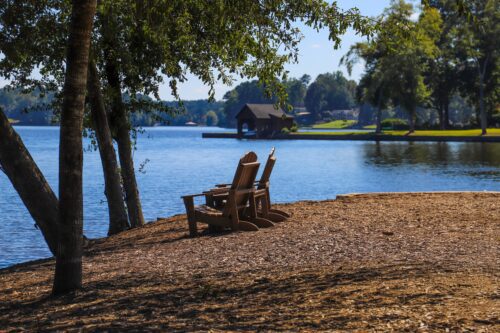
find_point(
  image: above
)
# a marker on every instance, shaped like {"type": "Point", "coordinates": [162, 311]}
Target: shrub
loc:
{"type": "Point", "coordinates": [495, 119]}
{"type": "Point", "coordinates": [285, 130]}
{"type": "Point", "coordinates": [395, 124]}
{"type": "Point", "coordinates": [294, 128]}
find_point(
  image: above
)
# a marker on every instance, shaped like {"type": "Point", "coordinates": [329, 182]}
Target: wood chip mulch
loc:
{"type": "Point", "coordinates": [385, 262]}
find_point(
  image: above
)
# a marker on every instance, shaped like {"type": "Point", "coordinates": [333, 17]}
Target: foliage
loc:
{"type": "Point", "coordinates": [285, 130]}
{"type": "Point", "coordinates": [478, 51]}
{"type": "Point", "coordinates": [26, 108]}
{"type": "Point", "coordinates": [330, 91]}
{"type": "Point", "coordinates": [395, 124]}
{"type": "Point", "coordinates": [164, 40]}
{"type": "Point", "coordinates": [211, 118]}
{"type": "Point", "coordinates": [396, 58]}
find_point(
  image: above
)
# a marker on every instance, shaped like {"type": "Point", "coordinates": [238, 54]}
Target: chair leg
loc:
{"type": "Point", "coordinates": [280, 212]}
{"type": "Point", "coordinates": [261, 222]}
{"type": "Point", "coordinates": [275, 217]}
{"type": "Point", "coordinates": [247, 226]}
{"type": "Point", "coordinates": [189, 203]}
{"type": "Point", "coordinates": [276, 211]}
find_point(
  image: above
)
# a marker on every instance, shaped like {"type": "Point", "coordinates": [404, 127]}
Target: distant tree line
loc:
{"type": "Point", "coordinates": [35, 108]}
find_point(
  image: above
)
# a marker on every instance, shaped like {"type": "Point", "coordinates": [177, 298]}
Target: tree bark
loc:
{"type": "Point", "coordinates": [118, 220]}
{"type": "Point", "coordinates": [121, 128]}
{"type": "Point", "coordinates": [378, 129]}
{"type": "Point", "coordinates": [412, 120]}
{"type": "Point", "coordinates": [29, 182]}
{"type": "Point", "coordinates": [447, 113]}
{"type": "Point", "coordinates": [482, 111]}
{"type": "Point", "coordinates": [122, 124]}
{"type": "Point", "coordinates": [440, 110]}
{"type": "Point", "coordinates": [68, 273]}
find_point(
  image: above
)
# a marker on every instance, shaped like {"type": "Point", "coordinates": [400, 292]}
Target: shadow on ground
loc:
{"type": "Point", "coordinates": [390, 297]}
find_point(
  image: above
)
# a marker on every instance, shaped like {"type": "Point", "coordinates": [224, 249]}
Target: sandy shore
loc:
{"type": "Point", "coordinates": [365, 262]}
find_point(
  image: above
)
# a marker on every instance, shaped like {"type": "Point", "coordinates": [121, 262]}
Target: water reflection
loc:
{"type": "Point", "coordinates": [480, 160]}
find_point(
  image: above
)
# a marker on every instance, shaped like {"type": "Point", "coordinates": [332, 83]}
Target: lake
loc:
{"type": "Point", "coordinates": [174, 161]}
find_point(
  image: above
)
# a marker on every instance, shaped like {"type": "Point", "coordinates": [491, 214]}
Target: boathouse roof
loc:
{"type": "Point", "coordinates": [264, 111]}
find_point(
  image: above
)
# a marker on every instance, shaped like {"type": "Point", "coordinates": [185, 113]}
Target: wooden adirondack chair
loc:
{"type": "Point", "coordinates": [261, 195]}
{"type": "Point", "coordinates": [239, 211]}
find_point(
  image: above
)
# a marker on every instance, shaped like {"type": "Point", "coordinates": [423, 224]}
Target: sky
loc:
{"type": "Point", "coordinates": [316, 55]}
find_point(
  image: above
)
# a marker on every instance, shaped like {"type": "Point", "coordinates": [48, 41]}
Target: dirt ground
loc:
{"type": "Point", "coordinates": [386, 262]}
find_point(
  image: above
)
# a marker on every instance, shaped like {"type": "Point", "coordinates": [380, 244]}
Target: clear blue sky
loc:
{"type": "Point", "coordinates": [316, 55]}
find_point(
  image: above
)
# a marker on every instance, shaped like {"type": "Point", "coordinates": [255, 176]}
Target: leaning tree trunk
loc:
{"type": "Point", "coordinates": [122, 136]}
{"type": "Point", "coordinates": [68, 274]}
{"type": "Point", "coordinates": [29, 182]}
{"type": "Point", "coordinates": [118, 220]}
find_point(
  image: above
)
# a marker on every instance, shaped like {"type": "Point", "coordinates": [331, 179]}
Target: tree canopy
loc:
{"type": "Point", "coordinates": [330, 91]}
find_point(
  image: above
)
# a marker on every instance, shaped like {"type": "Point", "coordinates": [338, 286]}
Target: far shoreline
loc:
{"type": "Point", "coordinates": [343, 136]}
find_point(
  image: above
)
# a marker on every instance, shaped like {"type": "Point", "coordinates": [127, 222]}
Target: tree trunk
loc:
{"type": "Point", "coordinates": [378, 129]}
{"type": "Point", "coordinates": [118, 220]}
{"type": "Point", "coordinates": [121, 127]}
{"type": "Point", "coordinates": [482, 111]}
{"type": "Point", "coordinates": [29, 182]}
{"type": "Point", "coordinates": [447, 113]}
{"type": "Point", "coordinates": [134, 206]}
{"type": "Point", "coordinates": [440, 110]}
{"type": "Point", "coordinates": [68, 274]}
{"type": "Point", "coordinates": [412, 120]}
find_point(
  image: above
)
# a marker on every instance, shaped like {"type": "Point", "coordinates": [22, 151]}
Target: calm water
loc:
{"type": "Point", "coordinates": [179, 161]}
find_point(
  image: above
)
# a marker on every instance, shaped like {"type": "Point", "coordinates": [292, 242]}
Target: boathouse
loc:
{"type": "Point", "coordinates": [262, 120]}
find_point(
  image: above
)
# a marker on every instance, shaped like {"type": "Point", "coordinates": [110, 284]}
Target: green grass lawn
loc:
{"type": "Point", "coordinates": [13, 121]}
{"type": "Point", "coordinates": [336, 124]}
{"type": "Point", "coordinates": [472, 132]}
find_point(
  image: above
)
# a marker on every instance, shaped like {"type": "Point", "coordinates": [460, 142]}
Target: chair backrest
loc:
{"type": "Point", "coordinates": [268, 169]}
{"type": "Point", "coordinates": [244, 178]}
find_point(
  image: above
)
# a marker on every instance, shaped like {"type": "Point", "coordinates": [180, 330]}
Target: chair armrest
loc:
{"type": "Point", "coordinates": [260, 192]}
{"type": "Point", "coordinates": [251, 190]}
{"type": "Point", "coordinates": [217, 190]}
{"type": "Point", "coordinates": [193, 195]}
{"type": "Point", "coordinates": [222, 185]}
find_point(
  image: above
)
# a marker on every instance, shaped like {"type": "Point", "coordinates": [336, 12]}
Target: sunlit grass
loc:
{"type": "Point", "coordinates": [336, 124]}
{"type": "Point", "coordinates": [333, 133]}
{"type": "Point", "coordinates": [471, 132]}
{"type": "Point", "coordinates": [451, 133]}
{"type": "Point", "coordinates": [13, 121]}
